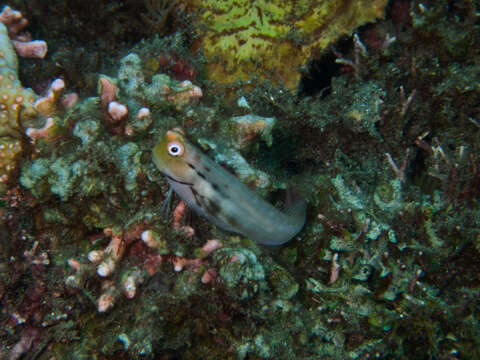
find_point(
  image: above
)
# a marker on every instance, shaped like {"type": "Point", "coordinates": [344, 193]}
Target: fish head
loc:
{"type": "Point", "coordinates": [171, 154]}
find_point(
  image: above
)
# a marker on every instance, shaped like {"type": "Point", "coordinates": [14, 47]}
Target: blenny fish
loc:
{"type": "Point", "coordinates": [220, 197]}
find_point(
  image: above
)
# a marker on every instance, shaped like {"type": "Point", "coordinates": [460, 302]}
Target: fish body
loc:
{"type": "Point", "coordinates": [220, 197]}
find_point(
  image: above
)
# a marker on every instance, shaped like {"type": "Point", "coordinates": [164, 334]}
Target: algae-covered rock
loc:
{"type": "Point", "coordinates": [273, 39]}
{"type": "Point", "coordinates": [34, 174]}
{"type": "Point", "coordinates": [241, 271]}
{"type": "Point", "coordinates": [283, 282]}
{"type": "Point", "coordinates": [247, 127]}
{"type": "Point", "coordinates": [365, 110]}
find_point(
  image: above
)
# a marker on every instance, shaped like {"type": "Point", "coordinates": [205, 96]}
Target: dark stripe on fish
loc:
{"type": "Point", "coordinates": [210, 207]}
{"type": "Point", "coordinates": [196, 196]}
{"type": "Point", "coordinates": [219, 190]}
{"type": "Point", "coordinates": [213, 207]}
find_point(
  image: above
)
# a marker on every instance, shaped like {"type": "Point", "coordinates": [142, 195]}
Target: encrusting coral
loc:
{"type": "Point", "coordinates": [16, 102]}
{"type": "Point", "coordinates": [238, 38]}
{"type": "Point", "coordinates": [21, 108]}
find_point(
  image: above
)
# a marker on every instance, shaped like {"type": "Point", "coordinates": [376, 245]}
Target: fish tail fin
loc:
{"type": "Point", "coordinates": [295, 205]}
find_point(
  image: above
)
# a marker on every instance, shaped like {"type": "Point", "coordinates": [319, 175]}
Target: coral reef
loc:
{"type": "Point", "coordinates": [99, 260]}
{"type": "Point", "coordinates": [238, 38]}
{"type": "Point", "coordinates": [16, 103]}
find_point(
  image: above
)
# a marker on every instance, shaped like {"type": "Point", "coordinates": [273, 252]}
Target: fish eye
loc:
{"type": "Point", "coordinates": [175, 148]}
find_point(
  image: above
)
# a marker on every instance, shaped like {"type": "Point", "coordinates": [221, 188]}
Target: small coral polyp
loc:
{"type": "Point", "coordinates": [13, 100]}
{"type": "Point", "coordinates": [9, 149]}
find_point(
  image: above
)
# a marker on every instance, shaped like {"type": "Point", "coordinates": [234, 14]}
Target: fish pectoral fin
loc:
{"type": "Point", "coordinates": [167, 203]}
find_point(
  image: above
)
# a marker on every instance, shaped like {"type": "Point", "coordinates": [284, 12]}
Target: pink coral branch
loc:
{"type": "Point", "coordinates": [36, 49]}
{"type": "Point", "coordinates": [22, 41]}
{"type": "Point", "coordinates": [13, 20]}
